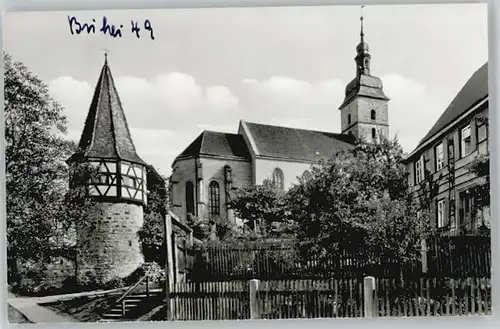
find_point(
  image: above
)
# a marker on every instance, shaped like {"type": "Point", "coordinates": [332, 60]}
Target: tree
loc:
{"type": "Point", "coordinates": [261, 207]}
{"type": "Point", "coordinates": [358, 201]}
{"type": "Point", "coordinates": [152, 233]}
{"type": "Point", "coordinates": [36, 172]}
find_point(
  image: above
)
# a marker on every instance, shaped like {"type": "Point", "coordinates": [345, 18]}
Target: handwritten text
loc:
{"type": "Point", "coordinates": [106, 28]}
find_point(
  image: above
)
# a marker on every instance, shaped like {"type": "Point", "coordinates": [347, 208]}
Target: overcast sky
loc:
{"type": "Point", "coordinates": [208, 68]}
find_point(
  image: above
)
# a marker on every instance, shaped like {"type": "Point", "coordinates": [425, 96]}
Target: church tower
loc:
{"type": "Point", "coordinates": [364, 111]}
{"type": "Point", "coordinates": [108, 244]}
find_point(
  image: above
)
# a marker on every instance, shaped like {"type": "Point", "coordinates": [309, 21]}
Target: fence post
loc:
{"type": "Point", "coordinates": [369, 288]}
{"type": "Point", "coordinates": [169, 264]}
{"type": "Point", "coordinates": [254, 302]}
{"type": "Point", "coordinates": [423, 253]}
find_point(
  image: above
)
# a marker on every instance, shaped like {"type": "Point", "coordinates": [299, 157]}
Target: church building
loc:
{"type": "Point", "coordinates": [204, 174]}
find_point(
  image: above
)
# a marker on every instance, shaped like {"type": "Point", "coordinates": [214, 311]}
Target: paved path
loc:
{"type": "Point", "coordinates": [30, 308]}
{"type": "Point", "coordinates": [35, 313]}
{"type": "Point", "coordinates": [14, 316]}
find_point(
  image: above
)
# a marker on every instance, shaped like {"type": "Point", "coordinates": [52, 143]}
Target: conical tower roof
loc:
{"type": "Point", "coordinates": [106, 133]}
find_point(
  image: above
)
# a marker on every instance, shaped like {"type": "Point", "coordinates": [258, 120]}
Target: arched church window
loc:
{"type": "Point", "coordinates": [278, 179]}
{"type": "Point", "coordinates": [374, 133]}
{"type": "Point", "coordinates": [189, 198]}
{"type": "Point", "coordinates": [349, 119]}
{"type": "Point", "coordinates": [373, 115]}
{"type": "Point", "coordinates": [214, 205]}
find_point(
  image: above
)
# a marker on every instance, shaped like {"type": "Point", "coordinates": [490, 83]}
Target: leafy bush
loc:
{"type": "Point", "coordinates": [88, 282]}
{"type": "Point", "coordinates": [114, 283]}
{"type": "Point", "coordinates": [156, 272]}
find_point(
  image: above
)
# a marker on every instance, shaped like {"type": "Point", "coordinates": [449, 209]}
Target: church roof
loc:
{"type": "Point", "coordinates": [474, 91]}
{"type": "Point", "coordinates": [106, 133]}
{"type": "Point", "coordinates": [296, 144]}
{"type": "Point", "coordinates": [212, 143]}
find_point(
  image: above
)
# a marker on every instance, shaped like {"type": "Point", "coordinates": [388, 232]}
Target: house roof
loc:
{"type": "Point", "coordinates": [212, 143]}
{"type": "Point", "coordinates": [474, 91]}
{"type": "Point", "coordinates": [106, 133]}
{"type": "Point", "coordinates": [296, 144]}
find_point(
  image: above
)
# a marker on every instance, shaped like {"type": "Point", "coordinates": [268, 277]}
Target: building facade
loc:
{"type": "Point", "coordinates": [444, 155]}
{"type": "Point", "coordinates": [215, 163]}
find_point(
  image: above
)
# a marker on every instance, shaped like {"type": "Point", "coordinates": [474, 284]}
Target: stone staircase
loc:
{"type": "Point", "coordinates": [130, 306]}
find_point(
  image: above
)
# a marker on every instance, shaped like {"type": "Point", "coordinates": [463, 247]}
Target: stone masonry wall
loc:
{"type": "Point", "coordinates": [58, 270]}
{"type": "Point", "coordinates": [108, 246]}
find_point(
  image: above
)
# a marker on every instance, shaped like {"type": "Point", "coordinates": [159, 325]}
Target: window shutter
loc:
{"type": "Point", "coordinates": [446, 212]}
{"type": "Point", "coordinates": [433, 213]}
{"type": "Point", "coordinates": [432, 160]}
{"type": "Point", "coordinates": [473, 135]}
{"type": "Point", "coordinates": [445, 152]}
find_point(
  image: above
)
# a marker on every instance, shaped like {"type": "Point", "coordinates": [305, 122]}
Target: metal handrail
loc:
{"type": "Point", "coordinates": [133, 287]}
{"type": "Point", "coordinates": [122, 298]}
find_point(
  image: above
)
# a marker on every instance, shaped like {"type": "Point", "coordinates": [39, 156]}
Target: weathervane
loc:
{"type": "Point", "coordinates": [362, 34]}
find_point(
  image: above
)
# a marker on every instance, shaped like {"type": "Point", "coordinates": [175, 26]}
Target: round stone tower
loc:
{"type": "Point", "coordinates": [108, 243]}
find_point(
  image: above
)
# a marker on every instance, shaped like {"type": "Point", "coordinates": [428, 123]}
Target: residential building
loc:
{"type": "Point", "coordinates": [444, 157]}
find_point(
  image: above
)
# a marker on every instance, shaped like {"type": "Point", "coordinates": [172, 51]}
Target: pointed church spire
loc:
{"type": "Point", "coordinates": [106, 134]}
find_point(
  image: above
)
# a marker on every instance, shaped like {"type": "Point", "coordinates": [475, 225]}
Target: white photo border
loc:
{"type": "Point", "coordinates": [492, 321]}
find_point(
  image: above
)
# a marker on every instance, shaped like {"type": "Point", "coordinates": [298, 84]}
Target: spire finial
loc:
{"type": "Point", "coordinates": [106, 51]}
{"type": "Point", "coordinates": [362, 33]}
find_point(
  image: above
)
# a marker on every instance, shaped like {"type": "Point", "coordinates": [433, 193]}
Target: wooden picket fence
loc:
{"type": "Point", "coordinates": [446, 256]}
{"type": "Point", "coordinates": [210, 301]}
{"type": "Point", "coordinates": [281, 262]}
{"type": "Point", "coordinates": [292, 299]}
{"type": "Point", "coordinates": [459, 256]}
{"type": "Point", "coordinates": [433, 297]}
{"type": "Point", "coordinates": [332, 298]}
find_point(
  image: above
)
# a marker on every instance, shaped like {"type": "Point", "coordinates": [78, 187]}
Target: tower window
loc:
{"type": "Point", "coordinates": [349, 119]}
{"type": "Point", "coordinates": [374, 133]}
{"type": "Point", "coordinates": [278, 179]}
{"type": "Point", "coordinates": [129, 181]}
{"type": "Point", "coordinates": [214, 206]}
{"type": "Point", "coordinates": [130, 243]}
{"type": "Point", "coordinates": [373, 115]}
{"type": "Point", "coordinates": [189, 198]}
{"type": "Point", "coordinates": [104, 179]}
